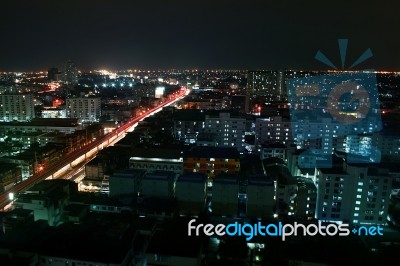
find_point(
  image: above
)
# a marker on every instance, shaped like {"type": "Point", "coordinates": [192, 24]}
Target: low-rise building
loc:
{"type": "Point", "coordinates": [10, 174]}
{"type": "Point", "coordinates": [126, 182]}
{"type": "Point", "coordinates": [191, 193]}
{"type": "Point", "coordinates": [225, 192]}
{"type": "Point", "coordinates": [47, 199]}
{"type": "Point", "coordinates": [159, 184]}
{"type": "Point", "coordinates": [63, 125]}
{"type": "Point", "coordinates": [273, 150]}
{"type": "Point", "coordinates": [260, 197]}
{"type": "Point", "coordinates": [211, 160]}
{"type": "Point", "coordinates": [155, 159]}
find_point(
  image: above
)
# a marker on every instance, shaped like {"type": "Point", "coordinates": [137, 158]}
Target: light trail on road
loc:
{"type": "Point", "coordinates": [91, 148]}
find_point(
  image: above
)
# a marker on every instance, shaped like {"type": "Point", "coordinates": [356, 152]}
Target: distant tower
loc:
{"type": "Point", "coordinates": [282, 95]}
{"type": "Point", "coordinates": [71, 73]}
{"type": "Point", "coordinates": [53, 74]}
{"type": "Point", "coordinates": [263, 83]}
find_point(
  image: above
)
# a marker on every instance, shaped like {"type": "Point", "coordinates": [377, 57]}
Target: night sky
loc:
{"type": "Point", "coordinates": [164, 34]}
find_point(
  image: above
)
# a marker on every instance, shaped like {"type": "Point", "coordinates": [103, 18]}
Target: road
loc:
{"type": "Point", "coordinates": [98, 144]}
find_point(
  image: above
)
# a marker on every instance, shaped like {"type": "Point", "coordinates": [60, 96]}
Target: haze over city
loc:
{"type": "Point", "coordinates": [159, 34]}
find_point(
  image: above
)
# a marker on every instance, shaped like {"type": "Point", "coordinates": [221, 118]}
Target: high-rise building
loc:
{"type": "Point", "coordinates": [188, 124]}
{"type": "Point", "coordinates": [16, 107]}
{"type": "Point", "coordinates": [229, 130]}
{"type": "Point", "coordinates": [271, 83]}
{"type": "Point", "coordinates": [262, 83]}
{"type": "Point", "coordinates": [385, 144]}
{"type": "Point", "coordinates": [273, 130]}
{"type": "Point", "coordinates": [87, 109]}
{"type": "Point", "coordinates": [306, 198]}
{"type": "Point", "coordinates": [53, 74]}
{"type": "Point", "coordinates": [71, 73]}
{"type": "Point", "coordinates": [143, 91]}
{"type": "Point", "coordinates": [355, 193]}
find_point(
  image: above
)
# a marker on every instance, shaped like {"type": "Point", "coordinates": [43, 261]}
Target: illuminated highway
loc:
{"type": "Point", "coordinates": [75, 158]}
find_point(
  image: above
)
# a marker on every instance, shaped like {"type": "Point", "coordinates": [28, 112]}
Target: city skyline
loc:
{"type": "Point", "coordinates": [186, 132]}
{"type": "Point", "coordinates": [184, 35]}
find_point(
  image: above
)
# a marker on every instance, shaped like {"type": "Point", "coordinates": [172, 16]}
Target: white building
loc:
{"type": "Point", "coordinates": [371, 146]}
{"type": "Point", "coordinates": [154, 159]}
{"type": "Point", "coordinates": [357, 194]}
{"type": "Point", "coordinates": [87, 109]}
{"type": "Point", "coordinates": [229, 131]}
{"type": "Point", "coordinates": [322, 135]}
{"type": "Point", "coordinates": [63, 125]}
{"type": "Point", "coordinates": [50, 112]}
{"type": "Point", "coordinates": [16, 107]}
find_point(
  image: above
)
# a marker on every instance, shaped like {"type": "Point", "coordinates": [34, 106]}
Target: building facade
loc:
{"type": "Point", "coordinates": [191, 193]}
{"type": "Point", "coordinates": [153, 159]}
{"type": "Point", "coordinates": [229, 130]}
{"type": "Point", "coordinates": [211, 161]}
{"type": "Point", "coordinates": [225, 192]}
{"type": "Point", "coordinates": [16, 107]}
{"type": "Point", "coordinates": [358, 194]}
{"type": "Point", "coordinates": [71, 73]}
{"type": "Point", "coordinates": [86, 109]}
{"type": "Point", "coordinates": [260, 198]}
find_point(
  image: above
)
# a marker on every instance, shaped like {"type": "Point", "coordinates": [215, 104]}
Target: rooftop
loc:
{"type": "Point", "coordinates": [226, 178]}
{"type": "Point", "coordinates": [156, 153]}
{"type": "Point", "coordinates": [260, 181]}
{"type": "Point", "coordinates": [50, 122]}
{"type": "Point", "coordinates": [333, 170]}
{"type": "Point", "coordinates": [212, 152]}
{"type": "Point", "coordinates": [128, 173]}
{"type": "Point", "coordinates": [159, 175]}
{"type": "Point", "coordinates": [193, 178]}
